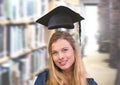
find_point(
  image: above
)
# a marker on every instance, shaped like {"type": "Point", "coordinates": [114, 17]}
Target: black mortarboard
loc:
{"type": "Point", "coordinates": [60, 17]}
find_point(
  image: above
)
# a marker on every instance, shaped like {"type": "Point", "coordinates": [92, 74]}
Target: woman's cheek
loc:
{"type": "Point", "coordinates": [54, 58]}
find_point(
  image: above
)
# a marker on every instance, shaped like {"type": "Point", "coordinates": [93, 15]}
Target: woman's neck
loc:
{"type": "Point", "coordinates": [68, 74]}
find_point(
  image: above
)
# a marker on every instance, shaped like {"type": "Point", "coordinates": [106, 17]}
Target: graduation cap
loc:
{"type": "Point", "coordinates": [61, 17]}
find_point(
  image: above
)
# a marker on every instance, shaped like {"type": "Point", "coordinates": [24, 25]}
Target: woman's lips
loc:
{"type": "Point", "coordinates": [62, 63]}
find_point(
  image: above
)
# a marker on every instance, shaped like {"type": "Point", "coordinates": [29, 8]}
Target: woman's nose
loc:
{"type": "Point", "coordinates": [61, 56]}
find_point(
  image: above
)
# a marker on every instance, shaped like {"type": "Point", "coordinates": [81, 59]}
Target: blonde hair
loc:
{"type": "Point", "coordinates": [56, 77]}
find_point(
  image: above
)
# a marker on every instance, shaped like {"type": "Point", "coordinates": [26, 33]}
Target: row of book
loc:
{"type": "Point", "coordinates": [21, 9]}
{"type": "Point", "coordinates": [16, 39]}
{"type": "Point", "coordinates": [1, 41]}
{"type": "Point", "coordinates": [14, 9]}
{"type": "Point", "coordinates": [19, 71]}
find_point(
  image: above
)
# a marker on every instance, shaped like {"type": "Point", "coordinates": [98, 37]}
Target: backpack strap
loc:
{"type": "Point", "coordinates": [91, 81]}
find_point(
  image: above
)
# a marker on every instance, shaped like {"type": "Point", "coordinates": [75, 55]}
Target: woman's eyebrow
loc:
{"type": "Point", "coordinates": [65, 47]}
{"type": "Point", "coordinates": [53, 50]}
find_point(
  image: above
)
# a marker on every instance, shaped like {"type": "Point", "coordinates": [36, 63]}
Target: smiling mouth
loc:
{"type": "Point", "coordinates": [62, 63]}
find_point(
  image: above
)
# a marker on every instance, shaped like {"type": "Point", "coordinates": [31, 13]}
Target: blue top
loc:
{"type": "Point", "coordinates": [42, 78]}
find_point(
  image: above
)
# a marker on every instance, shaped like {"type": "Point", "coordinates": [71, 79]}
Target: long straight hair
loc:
{"type": "Point", "coordinates": [56, 77]}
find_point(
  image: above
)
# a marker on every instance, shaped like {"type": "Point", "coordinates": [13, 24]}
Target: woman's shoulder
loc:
{"type": "Point", "coordinates": [91, 81]}
{"type": "Point", "coordinates": [41, 77]}
{"type": "Point", "coordinates": [42, 72]}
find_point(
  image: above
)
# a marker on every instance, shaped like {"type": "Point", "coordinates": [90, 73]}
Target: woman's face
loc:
{"type": "Point", "coordinates": [63, 54]}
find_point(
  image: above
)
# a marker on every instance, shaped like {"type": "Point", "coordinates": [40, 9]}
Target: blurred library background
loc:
{"type": "Point", "coordinates": [23, 42]}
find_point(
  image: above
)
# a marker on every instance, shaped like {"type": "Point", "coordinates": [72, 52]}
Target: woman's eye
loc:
{"type": "Point", "coordinates": [54, 53]}
{"type": "Point", "coordinates": [65, 50]}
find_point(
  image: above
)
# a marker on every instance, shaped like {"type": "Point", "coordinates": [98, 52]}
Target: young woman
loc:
{"type": "Point", "coordinates": [65, 64]}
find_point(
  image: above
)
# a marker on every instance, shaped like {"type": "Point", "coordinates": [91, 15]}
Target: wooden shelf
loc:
{"type": "Point", "coordinates": [4, 22]}
{"type": "Point", "coordinates": [16, 22]}
{"type": "Point", "coordinates": [20, 53]}
{"type": "Point", "coordinates": [7, 58]}
{"type": "Point", "coordinates": [4, 59]}
{"type": "Point", "coordinates": [21, 22]}
{"type": "Point", "coordinates": [26, 51]}
{"type": "Point", "coordinates": [38, 47]}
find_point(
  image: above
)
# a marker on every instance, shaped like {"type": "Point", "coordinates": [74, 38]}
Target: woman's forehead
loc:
{"type": "Point", "coordinates": [60, 43]}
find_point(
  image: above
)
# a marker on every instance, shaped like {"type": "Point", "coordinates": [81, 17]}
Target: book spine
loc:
{"type": "Point", "coordinates": [1, 41]}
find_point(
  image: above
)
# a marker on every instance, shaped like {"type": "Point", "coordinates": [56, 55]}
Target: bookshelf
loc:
{"type": "Point", "coordinates": [31, 49]}
{"type": "Point", "coordinates": [22, 41]}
